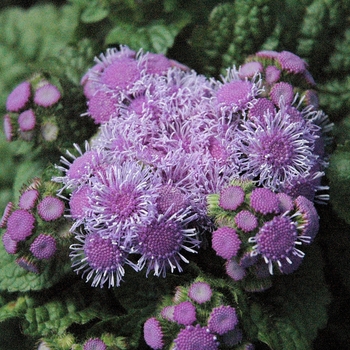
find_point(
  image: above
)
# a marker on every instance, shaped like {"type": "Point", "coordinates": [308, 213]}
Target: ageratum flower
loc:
{"type": "Point", "coordinates": [160, 242]}
{"type": "Point", "coordinates": [19, 97]}
{"type": "Point", "coordinates": [200, 292]}
{"type": "Point", "coordinates": [222, 319]}
{"type": "Point", "coordinates": [100, 259]}
{"type": "Point", "coordinates": [196, 337]}
{"type": "Point", "coordinates": [43, 247]}
{"type": "Point", "coordinates": [275, 150]}
{"type": "Point", "coordinates": [153, 334]}
{"type": "Point", "coordinates": [95, 344]}
{"type": "Point", "coordinates": [185, 313]}
{"type": "Point", "coordinates": [226, 242]}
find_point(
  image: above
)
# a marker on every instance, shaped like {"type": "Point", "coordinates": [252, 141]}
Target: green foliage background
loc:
{"type": "Point", "coordinates": [208, 36]}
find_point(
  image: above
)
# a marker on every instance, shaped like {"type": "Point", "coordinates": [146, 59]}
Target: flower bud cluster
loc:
{"type": "Point", "coordinates": [196, 315]}
{"type": "Point", "coordinates": [31, 110]}
{"type": "Point", "coordinates": [32, 226]}
{"type": "Point", "coordinates": [260, 232]}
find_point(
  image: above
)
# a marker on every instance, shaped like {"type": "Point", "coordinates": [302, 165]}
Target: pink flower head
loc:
{"type": "Point", "coordinates": [246, 221]}
{"type": "Point", "coordinates": [264, 201]}
{"type": "Point", "coordinates": [260, 108]}
{"type": "Point", "coordinates": [95, 344]}
{"type": "Point", "coordinates": [285, 202]}
{"type": "Point", "coordinates": [276, 240]}
{"type": "Point", "coordinates": [196, 337]}
{"type": "Point", "coordinates": [248, 70]}
{"type": "Point", "coordinates": [20, 225]}
{"type": "Point", "coordinates": [282, 90]}
{"type": "Point", "coordinates": [222, 319]}
{"type": "Point", "coordinates": [155, 63]}
{"type": "Point", "coordinates": [10, 245]}
{"type": "Point", "coordinates": [82, 165]}
{"type": "Point", "coordinates": [50, 208]}
{"type": "Point", "coordinates": [102, 107]}
{"type": "Point", "coordinates": [43, 247]}
{"type": "Point", "coordinates": [291, 62]}
{"type": "Point", "coordinates": [161, 242]}
{"type": "Point", "coordinates": [171, 200]}
{"type": "Point", "coordinates": [234, 270]}
{"type": "Point", "coordinates": [19, 97]}
{"type": "Point", "coordinates": [185, 313]}
{"type": "Point", "coordinates": [47, 95]}
{"type": "Point", "coordinates": [28, 199]}
{"type": "Point", "coordinates": [120, 74]}
{"type": "Point", "coordinates": [101, 258]}
{"type": "Point", "coordinates": [6, 214]}
{"type": "Point", "coordinates": [79, 202]}
{"type": "Point", "coordinates": [200, 292]}
{"type": "Point", "coordinates": [153, 334]}
{"type": "Point", "coordinates": [168, 312]}
{"type": "Point", "coordinates": [8, 127]}
{"type": "Point", "coordinates": [307, 216]}
{"type": "Point", "coordinates": [235, 94]}
{"type": "Point", "coordinates": [226, 242]}
{"type": "Point", "coordinates": [27, 120]}
{"type": "Point", "coordinates": [267, 54]}
{"type": "Point", "coordinates": [27, 265]}
{"type": "Point", "coordinates": [272, 74]}
{"type": "Point", "coordinates": [231, 197]}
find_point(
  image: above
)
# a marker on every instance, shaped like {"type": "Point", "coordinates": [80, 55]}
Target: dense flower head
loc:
{"type": "Point", "coordinates": [7, 212]}
{"type": "Point", "coordinates": [10, 245]}
{"type": "Point", "coordinates": [51, 208]}
{"type": "Point", "coordinates": [185, 313]}
{"type": "Point", "coordinates": [246, 221]}
{"type": "Point", "coordinates": [235, 270]}
{"type": "Point", "coordinates": [291, 62]}
{"type": "Point", "coordinates": [102, 106]}
{"type": "Point", "coordinates": [20, 225]}
{"type": "Point", "coordinates": [222, 319]}
{"type": "Point", "coordinates": [231, 197]}
{"type": "Point", "coordinates": [200, 292]}
{"type": "Point", "coordinates": [282, 90]}
{"type": "Point", "coordinates": [28, 199]}
{"type": "Point", "coordinates": [27, 120]}
{"type": "Point", "coordinates": [153, 335]}
{"type": "Point", "coordinates": [100, 259]}
{"type": "Point", "coordinates": [95, 344]}
{"type": "Point", "coordinates": [196, 337]}
{"type": "Point", "coordinates": [43, 247]}
{"type": "Point", "coordinates": [47, 95]}
{"type": "Point", "coordinates": [226, 242]}
{"type": "Point", "coordinates": [264, 201]}
{"type": "Point", "coordinates": [160, 243]}
{"type": "Point", "coordinates": [27, 265]}
{"type": "Point", "coordinates": [19, 97]}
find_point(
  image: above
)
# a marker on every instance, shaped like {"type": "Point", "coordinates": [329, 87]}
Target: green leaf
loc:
{"type": "Point", "coordinates": [94, 12]}
{"type": "Point", "coordinates": [14, 278]}
{"type": "Point", "coordinates": [339, 178]}
{"type": "Point", "coordinates": [156, 36]}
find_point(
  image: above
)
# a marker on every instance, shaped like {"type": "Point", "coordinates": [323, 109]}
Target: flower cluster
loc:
{"type": "Point", "coordinates": [168, 138]}
{"type": "Point", "coordinates": [32, 226]}
{"type": "Point", "coordinates": [30, 109]}
{"type": "Point", "coordinates": [196, 317]}
{"type": "Point", "coordinates": [259, 230]}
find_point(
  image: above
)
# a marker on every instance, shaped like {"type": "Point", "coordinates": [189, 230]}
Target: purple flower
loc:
{"type": "Point", "coordinates": [275, 150]}
{"type": "Point", "coordinates": [79, 203]}
{"type": "Point", "coordinates": [226, 242]}
{"type": "Point", "coordinates": [233, 337]}
{"type": "Point", "coordinates": [222, 319]}
{"type": "Point", "coordinates": [10, 245]}
{"type": "Point", "coordinates": [8, 128]}
{"type": "Point", "coordinates": [171, 200]}
{"type": "Point", "coordinates": [27, 120]}
{"type": "Point", "coordinates": [43, 247]}
{"type": "Point", "coordinates": [100, 259]}
{"type": "Point", "coordinates": [272, 74]}
{"type": "Point", "coordinates": [196, 337]}
{"type": "Point", "coordinates": [234, 270]}
{"type": "Point", "coordinates": [153, 334]}
{"type": "Point", "coordinates": [291, 62]}
{"type": "Point", "coordinates": [122, 196]}
{"type": "Point", "coordinates": [260, 108]}
{"type": "Point", "coordinates": [102, 106]}
{"type": "Point", "coordinates": [95, 344]}
{"type": "Point", "coordinates": [47, 95]}
{"type": "Point", "coordinates": [50, 208]}
{"type": "Point", "coordinates": [19, 97]}
{"type": "Point", "coordinates": [264, 201]}
{"type": "Point", "coordinates": [283, 91]}
{"type": "Point", "coordinates": [185, 313]}
{"type": "Point", "coordinates": [27, 265]}
{"type": "Point", "coordinates": [307, 218]}
{"type": "Point", "coordinates": [285, 202]}
{"type": "Point", "coordinates": [200, 292]}
{"type": "Point", "coordinates": [246, 221]}
{"type": "Point", "coordinates": [161, 242]}
{"type": "Point", "coordinates": [155, 63]}
{"type": "Point", "coordinates": [20, 225]}
{"type": "Point", "coordinates": [231, 197]}
{"type": "Point", "coordinates": [168, 312]}
{"type": "Point", "coordinates": [28, 199]}
{"type": "Point", "coordinates": [277, 239]}
{"type": "Point", "coordinates": [6, 214]}
{"type": "Point", "coordinates": [249, 69]}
